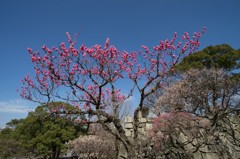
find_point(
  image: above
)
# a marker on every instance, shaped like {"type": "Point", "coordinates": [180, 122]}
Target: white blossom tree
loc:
{"type": "Point", "coordinates": [201, 109]}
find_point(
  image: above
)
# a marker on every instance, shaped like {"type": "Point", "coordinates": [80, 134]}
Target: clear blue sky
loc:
{"type": "Point", "coordinates": [128, 23]}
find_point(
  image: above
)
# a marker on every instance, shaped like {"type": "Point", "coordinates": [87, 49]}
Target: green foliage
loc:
{"type": "Point", "coordinates": [41, 134]}
{"type": "Point", "coordinates": [219, 56]}
{"type": "Point", "coordinates": [13, 123]}
{"type": "Point", "coordinates": [9, 146]}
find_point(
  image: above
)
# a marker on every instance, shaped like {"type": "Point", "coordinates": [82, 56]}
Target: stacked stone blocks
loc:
{"type": "Point", "coordinates": [144, 125]}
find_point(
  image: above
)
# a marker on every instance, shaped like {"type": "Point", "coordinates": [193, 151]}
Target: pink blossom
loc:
{"type": "Point", "coordinates": [128, 70]}
{"type": "Point", "coordinates": [106, 43]}
{"type": "Point", "coordinates": [72, 73]}
{"type": "Point", "coordinates": [153, 61]}
{"type": "Point", "coordinates": [183, 37]}
{"type": "Point", "coordinates": [44, 47]}
{"type": "Point", "coordinates": [34, 58]}
{"type": "Point", "coordinates": [186, 35]}
{"type": "Point", "coordinates": [204, 30]}
{"type": "Point", "coordinates": [30, 50]}
{"type": "Point", "coordinates": [90, 87]}
{"type": "Point", "coordinates": [145, 48]}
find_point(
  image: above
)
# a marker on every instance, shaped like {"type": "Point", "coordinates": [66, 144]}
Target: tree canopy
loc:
{"type": "Point", "coordinates": [219, 56]}
{"type": "Point", "coordinates": [40, 134]}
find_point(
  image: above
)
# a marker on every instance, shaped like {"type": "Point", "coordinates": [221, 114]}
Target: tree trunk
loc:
{"type": "Point", "coordinates": [54, 151]}
{"type": "Point", "coordinates": [117, 148]}
{"type": "Point", "coordinates": [132, 152]}
{"type": "Point", "coordinates": [58, 153]}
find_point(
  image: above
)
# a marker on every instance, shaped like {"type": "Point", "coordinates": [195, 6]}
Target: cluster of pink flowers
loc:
{"type": "Point", "coordinates": [88, 71]}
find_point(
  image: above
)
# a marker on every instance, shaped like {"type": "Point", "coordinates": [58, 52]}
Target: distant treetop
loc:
{"type": "Point", "coordinates": [218, 56]}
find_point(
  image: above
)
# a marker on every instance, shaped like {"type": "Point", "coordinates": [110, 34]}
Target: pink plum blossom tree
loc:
{"type": "Point", "coordinates": [89, 77]}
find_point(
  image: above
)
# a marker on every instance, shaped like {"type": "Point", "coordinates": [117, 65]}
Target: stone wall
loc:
{"type": "Point", "coordinates": [204, 152]}
{"type": "Point", "coordinates": [145, 124]}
